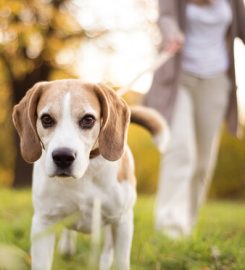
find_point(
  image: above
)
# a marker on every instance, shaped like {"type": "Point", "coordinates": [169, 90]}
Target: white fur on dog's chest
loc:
{"type": "Point", "coordinates": [56, 199]}
{"type": "Point", "coordinates": [114, 203]}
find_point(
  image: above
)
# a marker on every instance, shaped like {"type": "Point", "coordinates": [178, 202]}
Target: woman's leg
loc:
{"type": "Point", "coordinates": [210, 103]}
{"type": "Point", "coordinates": [176, 171]}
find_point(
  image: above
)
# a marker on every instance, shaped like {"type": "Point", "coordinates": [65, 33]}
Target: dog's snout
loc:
{"type": "Point", "coordinates": [63, 157]}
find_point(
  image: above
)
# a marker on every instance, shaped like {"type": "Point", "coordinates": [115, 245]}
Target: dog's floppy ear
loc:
{"type": "Point", "coordinates": [24, 118]}
{"type": "Point", "coordinates": [115, 115]}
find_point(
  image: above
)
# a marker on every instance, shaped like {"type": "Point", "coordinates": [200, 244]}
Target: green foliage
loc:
{"type": "Point", "coordinates": [217, 243]}
{"type": "Point", "coordinates": [229, 177]}
{"type": "Point", "coordinates": [220, 230]}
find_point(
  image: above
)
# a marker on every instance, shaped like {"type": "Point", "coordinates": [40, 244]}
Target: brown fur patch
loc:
{"type": "Point", "coordinates": [116, 116]}
{"type": "Point", "coordinates": [24, 118]}
{"type": "Point", "coordinates": [126, 169]}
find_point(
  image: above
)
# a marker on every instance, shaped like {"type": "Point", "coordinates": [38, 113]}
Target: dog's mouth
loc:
{"type": "Point", "coordinates": [62, 174]}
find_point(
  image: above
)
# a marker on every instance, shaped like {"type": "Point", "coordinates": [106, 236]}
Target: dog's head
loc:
{"type": "Point", "coordinates": [65, 120]}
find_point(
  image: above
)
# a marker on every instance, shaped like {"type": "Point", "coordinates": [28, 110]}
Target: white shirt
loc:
{"type": "Point", "coordinates": [205, 53]}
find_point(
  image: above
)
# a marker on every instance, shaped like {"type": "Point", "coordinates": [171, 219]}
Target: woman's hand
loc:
{"type": "Point", "coordinates": [172, 36]}
{"type": "Point", "coordinates": [173, 43]}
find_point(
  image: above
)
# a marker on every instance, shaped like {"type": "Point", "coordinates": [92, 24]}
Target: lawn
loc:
{"type": "Point", "coordinates": [218, 242]}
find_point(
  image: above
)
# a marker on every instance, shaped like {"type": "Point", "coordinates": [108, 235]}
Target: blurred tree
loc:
{"type": "Point", "coordinates": [38, 41]}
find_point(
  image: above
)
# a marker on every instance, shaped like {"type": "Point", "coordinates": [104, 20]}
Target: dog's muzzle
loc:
{"type": "Point", "coordinates": [63, 159]}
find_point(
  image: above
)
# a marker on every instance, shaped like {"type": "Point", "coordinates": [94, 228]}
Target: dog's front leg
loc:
{"type": "Point", "coordinates": [123, 234]}
{"type": "Point", "coordinates": [42, 247]}
{"type": "Point", "coordinates": [106, 258]}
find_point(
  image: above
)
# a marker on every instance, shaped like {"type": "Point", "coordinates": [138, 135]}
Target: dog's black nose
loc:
{"type": "Point", "coordinates": [63, 157]}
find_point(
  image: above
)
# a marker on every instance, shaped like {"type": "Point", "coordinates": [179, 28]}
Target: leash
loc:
{"type": "Point", "coordinates": [161, 59]}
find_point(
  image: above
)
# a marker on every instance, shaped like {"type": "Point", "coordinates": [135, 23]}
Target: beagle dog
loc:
{"type": "Point", "coordinates": [75, 134]}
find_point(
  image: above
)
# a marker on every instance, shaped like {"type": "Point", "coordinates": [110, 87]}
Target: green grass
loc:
{"type": "Point", "coordinates": [220, 231]}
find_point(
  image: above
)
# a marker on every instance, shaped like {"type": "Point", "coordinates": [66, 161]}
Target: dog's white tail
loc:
{"type": "Point", "coordinates": [151, 120]}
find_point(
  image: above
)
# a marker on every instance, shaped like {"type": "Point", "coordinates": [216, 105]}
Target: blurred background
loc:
{"type": "Point", "coordinates": [109, 41]}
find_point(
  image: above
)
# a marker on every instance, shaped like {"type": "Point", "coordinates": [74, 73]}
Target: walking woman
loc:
{"type": "Point", "coordinates": [195, 91]}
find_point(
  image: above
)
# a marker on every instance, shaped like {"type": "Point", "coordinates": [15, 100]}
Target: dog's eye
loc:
{"type": "Point", "coordinates": [87, 122]}
{"type": "Point", "coordinates": [47, 121]}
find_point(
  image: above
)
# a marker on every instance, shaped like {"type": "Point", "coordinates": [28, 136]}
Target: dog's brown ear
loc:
{"type": "Point", "coordinates": [116, 115]}
{"type": "Point", "coordinates": [24, 118]}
